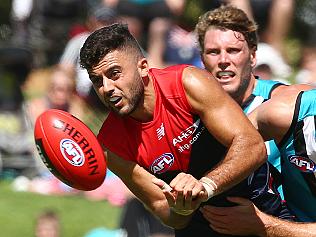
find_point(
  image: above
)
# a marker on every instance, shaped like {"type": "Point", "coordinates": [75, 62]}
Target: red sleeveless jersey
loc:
{"type": "Point", "coordinates": [165, 142]}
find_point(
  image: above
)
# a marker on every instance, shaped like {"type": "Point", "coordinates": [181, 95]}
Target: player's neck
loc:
{"type": "Point", "coordinates": [248, 91]}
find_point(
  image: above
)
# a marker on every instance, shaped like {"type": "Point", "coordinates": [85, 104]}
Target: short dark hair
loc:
{"type": "Point", "coordinates": [230, 18]}
{"type": "Point", "coordinates": [105, 40]}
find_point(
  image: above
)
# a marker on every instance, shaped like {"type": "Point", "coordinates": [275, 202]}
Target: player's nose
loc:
{"type": "Point", "coordinates": [224, 61]}
{"type": "Point", "coordinates": [108, 86]}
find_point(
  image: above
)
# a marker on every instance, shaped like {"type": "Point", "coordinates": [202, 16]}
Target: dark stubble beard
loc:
{"type": "Point", "coordinates": [134, 99]}
{"type": "Point", "coordinates": [245, 80]}
{"type": "Point", "coordinates": [137, 95]}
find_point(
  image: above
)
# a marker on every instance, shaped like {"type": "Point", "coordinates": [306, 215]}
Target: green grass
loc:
{"type": "Point", "coordinates": [18, 211]}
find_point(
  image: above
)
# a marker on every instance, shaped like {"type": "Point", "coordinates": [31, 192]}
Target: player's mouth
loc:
{"type": "Point", "coordinates": [115, 101]}
{"type": "Point", "coordinates": [224, 76]}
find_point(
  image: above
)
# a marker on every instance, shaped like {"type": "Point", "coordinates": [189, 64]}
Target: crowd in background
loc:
{"type": "Point", "coordinates": [40, 42]}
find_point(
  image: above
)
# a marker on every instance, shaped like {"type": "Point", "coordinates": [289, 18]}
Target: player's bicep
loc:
{"type": "Point", "coordinates": [274, 118]}
{"type": "Point", "coordinates": [219, 112]}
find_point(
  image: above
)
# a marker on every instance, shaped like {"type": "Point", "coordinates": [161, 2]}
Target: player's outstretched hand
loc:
{"type": "Point", "coordinates": [184, 194]}
{"type": "Point", "coordinates": [243, 219]}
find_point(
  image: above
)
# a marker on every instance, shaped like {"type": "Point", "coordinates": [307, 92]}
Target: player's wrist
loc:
{"type": "Point", "coordinates": [209, 186]}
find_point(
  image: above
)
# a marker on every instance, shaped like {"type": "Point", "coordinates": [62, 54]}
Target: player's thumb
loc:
{"type": "Point", "coordinates": [161, 184]}
{"type": "Point", "coordinates": [202, 197]}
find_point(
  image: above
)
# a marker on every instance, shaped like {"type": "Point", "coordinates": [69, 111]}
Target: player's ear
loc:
{"type": "Point", "coordinates": [143, 67]}
{"type": "Point", "coordinates": [253, 58]}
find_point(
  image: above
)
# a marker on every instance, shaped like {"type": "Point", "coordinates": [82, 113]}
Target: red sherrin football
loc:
{"type": "Point", "coordinates": [70, 150]}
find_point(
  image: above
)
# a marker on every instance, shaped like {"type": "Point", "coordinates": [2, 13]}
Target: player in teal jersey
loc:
{"type": "Point", "coordinates": [228, 42]}
{"type": "Point", "coordinates": [289, 119]}
{"type": "Point", "coordinates": [262, 92]}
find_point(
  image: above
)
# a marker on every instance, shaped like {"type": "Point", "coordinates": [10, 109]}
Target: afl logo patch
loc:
{"type": "Point", "coordinates": [302, 163]}
{"type": "Point", "coordinates": [162, 163]}
{"type": "Point", "coordinates": [72, 152]}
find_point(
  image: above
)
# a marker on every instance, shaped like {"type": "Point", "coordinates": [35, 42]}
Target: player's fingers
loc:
{"type": "Point", "coordinates": [197, 189]}
{"type": "Point", "coordinates": [179, 203]}
{"type": "Point", "coordinates": [186, 182]}
{"type": "Point", "coordinates": [188, 200]}
{"type": "Point", "coordinates": [166, 189]}
{"type": "Point", "coordinates": [196, 201]}
{"type": "Point", "coordinates": [161, 184]}
{"type": "Point", "coordinates": [170, 198]}
{"type": "Point", "coordinates": [220, 221]}
{"type": "Point", "coordinates": [179, 182]}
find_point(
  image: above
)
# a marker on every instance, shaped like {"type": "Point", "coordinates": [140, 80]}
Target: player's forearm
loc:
{"type": "Point", "coordinates": [275, 227]}
{"type": "Point", "coordinates": [155, 200]}
{"type": "Point", "coordinates": [139, 182]}
{"type": "Point", "coordinates": [244, 156]}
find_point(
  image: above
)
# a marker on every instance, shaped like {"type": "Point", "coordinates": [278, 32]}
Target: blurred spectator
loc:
{"type": "Point", "coordinates": [148, 20]}
{"type": "Point", "coordinates": [97, 17]}
{"type": "Point", "coordinates": [270, 64]}
{"type": "Point", "coordinates": [60, 94]}
{"type": "Point", "coordinates": [16, 140]}
{"type": "Point", "coordinates": [48, 224]}
{"type": "Point", "coordinates": [274, 19]}
{"type": "Point", "coordinates": [307, 71]}
{"type": "Point", "coordinates": [43, 26]}
{"type": "Point", "coordinates": [305, 31]}
{"type": "Point", "coordinates": [177, 45]}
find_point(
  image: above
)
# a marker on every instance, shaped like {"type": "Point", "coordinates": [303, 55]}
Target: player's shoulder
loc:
{"type": "Point", "coordinates": [291, 90]}
{"type": "Point", "coordinates": [191, 72]}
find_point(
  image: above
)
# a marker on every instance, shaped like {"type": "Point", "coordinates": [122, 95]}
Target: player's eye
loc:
{"type": "Point", "coordinates": [212, 52]}
{"type": "Point", "coordinates": [234, 50]}
{"type": "Point", "coordinates": [114, 74]}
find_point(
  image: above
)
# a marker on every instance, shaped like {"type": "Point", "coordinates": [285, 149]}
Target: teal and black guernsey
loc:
{"type": "Point", "coordinates": [261, 93]}
{"type": "Point", "coordinates": [298, 153]}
